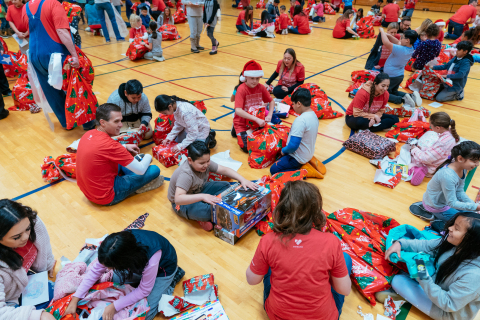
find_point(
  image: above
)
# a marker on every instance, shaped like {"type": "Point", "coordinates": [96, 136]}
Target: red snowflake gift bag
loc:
{"type": "Point", "coordinates": [22, 95]}
{"type": "Point", "coordinates": [169, 32]}
{"type": "Point", "coordinates": [81, 103]}
{"type": "Point", "coordinates": [179, 16]}
{"type": "Point", "coordinates": [166, 156]}
{"type": "Point", "coordinates": [264, 145]}
{"type": "Point", "coordinates": [163, 126]}
{"type": "Point", "coordinates": [136, 50]}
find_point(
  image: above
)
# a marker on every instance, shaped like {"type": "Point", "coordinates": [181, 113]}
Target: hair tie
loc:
{"type": "Point", "coordinates": [449, 157]}
{"type": "Point", "coordinates": [451, 120]}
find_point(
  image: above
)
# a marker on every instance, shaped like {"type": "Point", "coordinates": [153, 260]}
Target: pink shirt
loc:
{"type": "Point", "coordinates": [319, 9]}
{"type": "Point", "coordinates": [149, 275]}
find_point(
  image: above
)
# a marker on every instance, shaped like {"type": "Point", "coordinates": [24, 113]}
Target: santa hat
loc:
{"type": "Point", "coordinates": [251, 69]}
{"type": "Point", "coordinates": [440, 23]}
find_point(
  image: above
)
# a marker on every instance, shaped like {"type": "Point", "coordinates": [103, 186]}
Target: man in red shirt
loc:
{"type": "Point", "coordinates": [390, 13]}
{"type": "Point", "coordinates": [107, 172]}
{"type": "Point", "coordinates": [465, 15]}
{"type": "Point", "coordinates": [158, 7]}
{"type": "Point", "coordinates": [14, 18]}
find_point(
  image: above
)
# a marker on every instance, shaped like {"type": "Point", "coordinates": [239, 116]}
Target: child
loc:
{"type": "Point", "coordinates": [189, 192]}
{"type": "Point", "coordinates": [165, 17]}
{"type": "Point", "coordinates": [143, 3]}
{"type": "Point", "coordinates": [426, 161]}
{"type": "Point", "coordinates": [267, 28]}
{"type": "Point", "coordinates": [408, 8]}
{"type": "Point", "coordinates": [210, 10]}
{"type": "Point", "coordinates": [302, 138]}
{"type": "Point", "coordinates": [245, 20]}
{"type": "Point", "coordinates": [137, 29]}
{"type": "Point", "coordinates": [385, 53]}
{"type": "Point", "coordinates": [356, 17]}
{"type": "Point", "coordinates": [441, 24]}
{"type": "Point", "coordinates": [190, 123]}
{"type": "Point", "coordinates": [300, 22]}
{"type": "Point", "coordinates": [154, 43]}
{"type": "Point", "coordinates": [93, 18]}
{"type": "Point", "coordinates": [318, 8]}
{"type": "Point", "coordinates": [293, 4]}
{"type": "Point", "coordinates": [342, 28]}
{"type": "Point", "coordinates": [14, 18]}
{"type": "Point", "coordinates": [428, 49]}
{"type": "Point", "coordinates": [299, 262]}
{"type": "Point", "coordinates": [445, 195]}
{"type": "Point", "coordinates": [375, 9]}
{"type": "Point", "coordinates": [24, 245]}
{"type": "Point", "coordinates": [472, 35]}
{"type": "Point", "coordinates": [458, 70]}
{"type": "Point", "coordinates": [145, 16]}
{"type": "Point", "coordinates": [283, 20]}
{"type": "Point", "coordinates": [453, 291]}
{"type": "Point", "coordinates": [250, 96]}
{"type": "Point", "coordinates": [142, 258]}
{"type": "Point", "coordinates": [194, 16]}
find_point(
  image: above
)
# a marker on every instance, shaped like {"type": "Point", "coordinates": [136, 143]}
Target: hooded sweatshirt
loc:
{"type": "Point", "coordinates": [460, 72]}
{"type": "Point", "coordinates": [131, 112]}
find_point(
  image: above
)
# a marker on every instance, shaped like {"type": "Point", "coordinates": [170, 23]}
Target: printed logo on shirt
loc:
{"type": "Point", "coordinates": [253, 100]}
{"type": "Point", "coordinates": [298, 242]}
{"type": "Point", "coordinates": [376, 105]}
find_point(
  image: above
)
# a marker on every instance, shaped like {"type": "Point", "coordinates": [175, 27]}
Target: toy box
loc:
{"type": "Point", "coordinates": [240, 206]}
{"type": "Point", "coordinates": [233, 236]}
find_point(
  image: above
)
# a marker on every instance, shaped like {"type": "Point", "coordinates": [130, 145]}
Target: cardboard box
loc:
{"type": "Point", "coordinates": [233, 236]}
{"type": "Point", "coordinates": [240, 206]}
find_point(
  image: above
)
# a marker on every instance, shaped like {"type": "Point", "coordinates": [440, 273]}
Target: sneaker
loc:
{"type": "Point", "coordinates": [206, 225]}
{"type": "Point", "coordinates": [383, 295]}
{"type": "Point", "coordinates": [214, 50]}
{"type": "Point", "coordinates": [101, 32]}
{"type": "Point", "coordinates": [8, 94]}
{"type": "Point", "coordinates": [160, 59]}
{"type": "Point", "coordinates": [417, 210]}
{"type": "Point", "coordinates": [417, 98]}
{"type": "Point", "coordinates": [408, 100]}
{"type": "Point", "coordinates": [121, 39]}
{"type": "Point", "coordinates": [210, 141]}
{"type": "Point", "coordinates": [87, 29]}
{"type": "Point", "coordinates": [177, 277]}
{"type": "Point", "coordinates": [200, 48]}
{"type": "Point", "coordinates": [195, 50]}
{"type": "Point", "coordinates": [154, 184]}
{"type": "Point", "coordinates": [461, 95]}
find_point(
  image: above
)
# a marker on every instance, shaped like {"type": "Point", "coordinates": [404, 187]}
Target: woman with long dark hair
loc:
{"type": "Point", "coordinates": [24, 246]}
{"type": "Point", "coordinates": [342, 28]}
{"type": "Point", "coordinates": [245, 20]}
{"type": "Point", "coordinates": [137, 257]}
{"type": "Point", "coordinates": [292, 74]}
{"type": "Point", "coordinates": [300, 22]}
{"type": "Point", "coordinates": [453, 292]}
{"type": "Point", "coordinates": [267, 27]}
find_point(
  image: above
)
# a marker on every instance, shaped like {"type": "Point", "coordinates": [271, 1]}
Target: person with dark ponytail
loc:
{"type": "Point", "coordinates": [142, 258]}
{"type": "Point", "coordinates": [154, 43]}
{"type": "Point", "coordinates": [190, 123]}
{"type": "Point", "coordinates": [425, 161]}
{"type": "Point", "coordinates": [453, 292]}
{"type": "Point", "coordinates": [367, 110]}
{"type": "Point", "coordinates": [24, 246]}
{"type": "Point", "coordinates": [300, 22]}
{"type": "Point", "coordinates": [189, 192]}
{"type": "Point", "coordinates": [445, 195]}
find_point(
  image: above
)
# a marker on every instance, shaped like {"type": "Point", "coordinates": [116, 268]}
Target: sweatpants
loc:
{"type": "Point", "coordinates": [196, 27]}
{"type": "Point", "coordinates": [360, 123]}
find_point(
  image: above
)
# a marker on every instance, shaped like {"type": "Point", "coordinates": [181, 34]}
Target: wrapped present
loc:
{"type": "Point", "coordinates": [65, 162]}
{"type": "Point", "coordinates": [258, 112]}
{"type": "Point", "coordinates": [377, 21]}
{"type": "Point", "coordinates": [409, 65]}
{"type": "Point", "coordinates": [365, 28]}
{"type": "Point", "coordinates": [179, 16]}
{"type": "Point", "coordinates": [443, 57]}
{"type": "Point", "coordinates": [256, 25]}
{"type": "Point", "coordinates": [363, 236]}
{"type": "Point", "coordinates": [370, 145]}
{"type": "Point", "coordinates": [212, 176]}
{"type": "Point", "coordinates": [386, 180]}
{"type": "Point", "coordinates": [169, 32]}
{"type": "Point", "coordinates": [364, 75]}
{"type": "Point", "coordinates": [264, 145]}
{"type": "Point", "coordinates": [328, 9]}
{"type": "Point", "coordinates": [163, 126]}
{"type": "Point", "coordinates": [137, 49]}
{"type": "Point", "coordinates": [134, 136]}
{"type": "Point", "coordinates": [198, 283]}
{"type": "Point", "coordinates": [166, 156]}
{"type": "Point", "coordinates": [260, 4]}
{"type": "Point", "coordinates": [81, 103]}
{"type": "Point", "coordinates": [432, 81]}
{"type": "Point", "coordinates": [72, 10]}
{"type": "Point", "coordinates": [402, 112]}
{"type": "Point", "coordinates": [23, 96]}
{"type": "Point", "coordinates": [405, 130]}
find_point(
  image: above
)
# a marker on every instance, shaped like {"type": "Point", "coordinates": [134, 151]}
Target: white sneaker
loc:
{"type": "Point", "coordinates": [417, 98]}
{"type": "Point", "coordinates": [159, 58]}
{"type": "Point", "coordinates": [408, 100]}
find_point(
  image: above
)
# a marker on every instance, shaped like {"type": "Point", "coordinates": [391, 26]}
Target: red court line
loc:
{"type": "Point", "coordinates": [342, 141]}
{"type": "Point", "coordinates": [450, 104]}
{"type": "Point", "coordinates": [476, 187]}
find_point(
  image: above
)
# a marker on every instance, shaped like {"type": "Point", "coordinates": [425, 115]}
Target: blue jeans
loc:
{"type": "Point", "coordinates": [412, 292]}
{"type": "Point", "coordinates": [457, 29]}
{"type": "Point", "coordinates": [119, 9]}
{"type": "Point", "coordinates": [338, 298]}
{"type": "Point", "coordinates": [241, 28]}
{"type": "Point", "coordinates": [285, 164]}
{"type": "Point", "coordinates": [202, 211]}
{"type": "Point", "coordinates": [408, 13]}
{"type": "Point", "coordinates": [126, 185]}
{"type": "Point", "coordinates": [108, 8]}
{"type": "Point", "coordinates": [293, 30]}
{"type": "Point", "coordinates": [318, 19]}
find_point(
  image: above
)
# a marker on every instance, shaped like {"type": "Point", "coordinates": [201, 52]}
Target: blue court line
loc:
{"type": "Point", "coordinates": [36, 190]}
{"type": "Point", "coordinates": [316, 74]}
{"type": "Point", "coordinates": [227, 114]}
{"type": "Point", "coordinates": [217, 75]}
{"type": "Point", "coordinates": [231, 15]}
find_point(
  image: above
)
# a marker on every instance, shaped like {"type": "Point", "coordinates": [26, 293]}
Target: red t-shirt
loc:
{"type": "Point", "coordinates": [341, 28]}
{"type": "Point", "coordinates": [53, 16]}
{"type": "Point", "coordinates": [410, 4]}
{"type": "Point", "coordinates": [464, 13]}
{"type": "Point", "coordinates": [241, 17]}
{"type": "Point", "coordinates": [29, 254]}
{"type": "Point", "coordinates": [301, 22]}
{"type": "Point", "coordinates": [361, 102]}
{"type": "Point", "coordinates": [159, 4]}
{"type": "Point", "coordinates": [292, 8]}
{"type": "Point", "coordinates": [98, 157]}
{"type": "Point", "coordinates": [386, 53]}
{"type": "Point", "coordinates": [440, 35]}
{"type": "Point", "coordinates": [14, 15]}
{"type": "Point", "coordinates": [287, 80]}
{"type": "Point", "coordinates": [301, 272]}
{"type": "Point", "coordinates": [391, 11]}
{"type": "Point", "coordinates": [137, 32]}
{"type": "Point", "coordinates": [247, 98]}
{"type": "Point", "coordinates": [284, 21]}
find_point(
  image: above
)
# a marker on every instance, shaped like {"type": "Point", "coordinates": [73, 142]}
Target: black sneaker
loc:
{"type": "Point", "coordinates": [418, 210]}
{"type": "Point", "coordinates": [195, 51]}
{"type": "Point", "coordinates": [8, 94]}
{"type": "Point", "coordinates": [233, 133]}
{"type": "Point", "coordinates": [437, 225]}
{"type": "Point", "coordinates": [210, 141]}
{"type": "Point", "coordinates": [177, 277]}
{"type": "Point", "coordinates": [4, 114]}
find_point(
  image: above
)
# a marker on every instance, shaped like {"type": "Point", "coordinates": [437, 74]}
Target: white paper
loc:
{"type": "Point", "coordinates": [73, 30]}
{"type": "Point", "coordinates": [21, 42]}
{"type": "Point", "coordinates": [224, 159]}
{"type": "Point", "coordinates": [209, 311]}
{"type": "Point", "coordinates": [380, 317]}
{"type": "Point", "coordinates": [36, 291]}
{"type": "Point", "coordinates": [435, 105]}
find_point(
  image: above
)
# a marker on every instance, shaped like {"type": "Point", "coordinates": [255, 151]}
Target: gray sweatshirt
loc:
{"type": "Point", "coordinates": [132, 112]}
{"type": "Point", "coordinates": [458, 297]}
{"type": "Point", "coordinates": [447, 189]}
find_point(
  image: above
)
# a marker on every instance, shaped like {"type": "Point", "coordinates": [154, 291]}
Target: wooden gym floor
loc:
{"type": "Point", "coordinates": [70, 218]}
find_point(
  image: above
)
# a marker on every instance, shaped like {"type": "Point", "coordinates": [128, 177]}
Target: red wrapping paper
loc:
{"type": "Point", "coordinates": [264, 145]}
{"type": "Point", "coordinates": [169, 32]}
{"type": "Point", "coordinates": [365, 28]}
{"type": "Point", "coordinates": [165, 155]}
{"type": "Point", "coordinates": [136, 50]}
{"type": "Point", "coordinates": [405, 130]}
{"type": "Point", "coordinates": [81, 103]}
{"type": "Point", "coordinates": [179, 16]}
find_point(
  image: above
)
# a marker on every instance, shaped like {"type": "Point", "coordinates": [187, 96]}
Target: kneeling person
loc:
{"type": "Point", "coordinates": [190, 193]}
{"type": "Point", "coordinates": [107, 171]}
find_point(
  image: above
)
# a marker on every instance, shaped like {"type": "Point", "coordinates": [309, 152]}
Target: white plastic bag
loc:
{"type": "Point", "coordinates": [122, 27]}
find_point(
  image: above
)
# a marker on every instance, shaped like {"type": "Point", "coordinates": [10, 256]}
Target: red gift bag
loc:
{"type": "Point", "coordinates": [163, 126]}
{"type": "Point", "coordinates": [258, 112]}
{"type": "Point", "coordinates": [179, 16]}
{"type": "Point", "coordinates": [260, 4]}
{"type": "Point", "coordinates": [200, 105]}
{"type": "Point", "coordinates": [432, 81]}
{"type": "Point", "coordinates": [264, 145]}
{"type": "Point", "coordinates": [365, 28]}
{"type": "Point", "coordinates": [169, 32]}
{"type": "Point", "coordinates": [364, 75]}
{"type": "Point", "coordinates": [68, 164]}
{"type": "Point", "coordinates": [328, 9]}
{"type": "Point", "coordinates": [136, 50]}
{"type": "Point", "coordinates": [405, 130]}
{"type": "Point", "coordinates": [409, 65]}
{"type": "Point", "coordinates": [86, 69]}
{"type": "Point", "coordinates": [23, 96]}
{"type": "Point", "coordinates": [81, 103]}
{"type": "Point", "coordinates": [72, 10]}
{"type": "Point", "coordinates": [165, 155]}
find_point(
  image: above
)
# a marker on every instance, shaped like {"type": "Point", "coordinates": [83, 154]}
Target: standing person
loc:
{"type": "Point", "coordinates": [292, 75]}
{"type": "Point", "coordinates": [105, 6]}
{"type": "Point", "coordinates": [272, 9]}
{"type": "Point", "coordinates": [348, 5]}
{"type": "Point", "coordinates": [301, 24]}
{"type": "Point", "coordinates": [50, 33]}
{"type": "Point", "coordinates": [390, 13]}
{"type": "Point", "coordinates": [14, 18]}
{"type": "Point", "coordinates": [154, 44]}
{"type": "Point", "coordinates": [82, 4]}
{"type": "Point", "coordinates": [408, 8]}
{"type": "Point", "coordinates": [298, 262]}
{"type": "Point", "coordinates": [24, 245]}
{"type": "Point", "coordinates": [427, 50]}
{"type": "Point", "coordinates": [283, 21]}
{"type": "Point", "coordinates": [4, 88]}
{"type": "Point", "coordinates": [210, 9]}
{"type": "Point", "coordinates": [465, 14]}
{"type": "Point", "coordinates": [342, 28]}
{"type": "Point", "coordinates": [367, 110]}
{"type": "Point", "coordinates": [117, 4]}
{"type": "Point", "coordinates": [142, 258]}
{"type": "Point", "coordinates": [194, 16]}
{"type": "Point", "coordinates": [405, 24]}
{"type": "Point", "coordinates": [245, 20]}
{"type": "Point", "coordinates": [319, 11]}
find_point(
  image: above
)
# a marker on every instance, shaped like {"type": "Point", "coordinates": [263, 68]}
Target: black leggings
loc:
{"type": "Point", "coordinates": [279, 93]}
{"type": "Point", "coordinates": [360, 123]}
